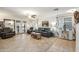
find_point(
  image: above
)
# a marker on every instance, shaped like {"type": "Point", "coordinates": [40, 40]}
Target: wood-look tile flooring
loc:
{"type": "Point", "coordinates": [25, 43]}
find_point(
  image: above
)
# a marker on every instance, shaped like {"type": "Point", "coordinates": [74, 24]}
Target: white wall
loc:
{"type": "Point", "coordinates": [9, 15]}
{"type": "Point", "coordinates": [58, 28]}
{"type": "Point", "coordinates": [9, 24]}
{"type": "Point", "coordinates": [77, 37]}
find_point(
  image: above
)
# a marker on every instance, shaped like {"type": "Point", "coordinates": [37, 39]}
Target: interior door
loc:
{"type": "Point", "coordinates": [18, 27]}
{"type": "Point", "coordinates": [24, 26]}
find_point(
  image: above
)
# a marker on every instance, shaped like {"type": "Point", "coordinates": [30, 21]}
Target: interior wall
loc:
{"type": "Point", "coordinates": [58, 28]}
{"type": "Point", "coordinates": [30, 23]}
{"type": "Point", "coordinates": [9, 15]}
{"type": "Point", "coordinates": [9, 23]}
{"type": "Point", "coordinates": [77, 37]}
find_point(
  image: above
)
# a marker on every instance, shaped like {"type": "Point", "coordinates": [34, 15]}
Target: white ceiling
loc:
{"type": "Point", "coordinates": [43, 11]}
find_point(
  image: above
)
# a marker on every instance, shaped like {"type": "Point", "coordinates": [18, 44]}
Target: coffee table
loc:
{"type": "Point", "coordinates": [36, 35]}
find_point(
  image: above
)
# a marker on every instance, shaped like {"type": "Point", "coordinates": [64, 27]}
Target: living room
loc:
{"type": "Point", "coordinates": [37, 29]}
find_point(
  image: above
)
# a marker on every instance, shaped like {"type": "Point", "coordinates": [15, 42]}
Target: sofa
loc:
{"type": "Point", "coordinates": [46, 32]}
{"type": "Point", "coordinates": [6, 33]}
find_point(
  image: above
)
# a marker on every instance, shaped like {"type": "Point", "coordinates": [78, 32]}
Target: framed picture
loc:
{"type": "Point", "coordinates": [45, 23]}
{"type": "Point", "coordinates": [1, 24]}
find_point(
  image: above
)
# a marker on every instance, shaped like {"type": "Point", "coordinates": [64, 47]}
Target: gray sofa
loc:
{"type": "Point", "coordinates": [46, 32]}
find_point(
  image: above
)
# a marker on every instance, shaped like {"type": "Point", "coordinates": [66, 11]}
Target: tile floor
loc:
{"type": "Point", "coordinates": [25, 43]}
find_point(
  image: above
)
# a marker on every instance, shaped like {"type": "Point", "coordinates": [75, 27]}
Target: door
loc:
{"type": "Point", "coordinates": [17, 29]}
{"type": "Point", "coordinates": [23, 26]}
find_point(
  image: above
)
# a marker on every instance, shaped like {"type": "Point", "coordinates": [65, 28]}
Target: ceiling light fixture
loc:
{"type": "Point", "coordinates": [30, 14]}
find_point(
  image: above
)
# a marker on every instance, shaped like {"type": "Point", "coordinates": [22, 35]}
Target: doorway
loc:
{"type": "Point", "coordinates": [24, 26]}
{"type": "Point", "coordinates": [17, 27]}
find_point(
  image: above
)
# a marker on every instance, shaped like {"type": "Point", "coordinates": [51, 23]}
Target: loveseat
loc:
{"type": "Point", "coordinates": [46, 32]}
{"type": "Point", "coordinates": [6, 33]}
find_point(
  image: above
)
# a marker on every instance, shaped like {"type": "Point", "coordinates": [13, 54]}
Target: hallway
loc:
{"type": "Point", "coordinates": [24, 43]}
